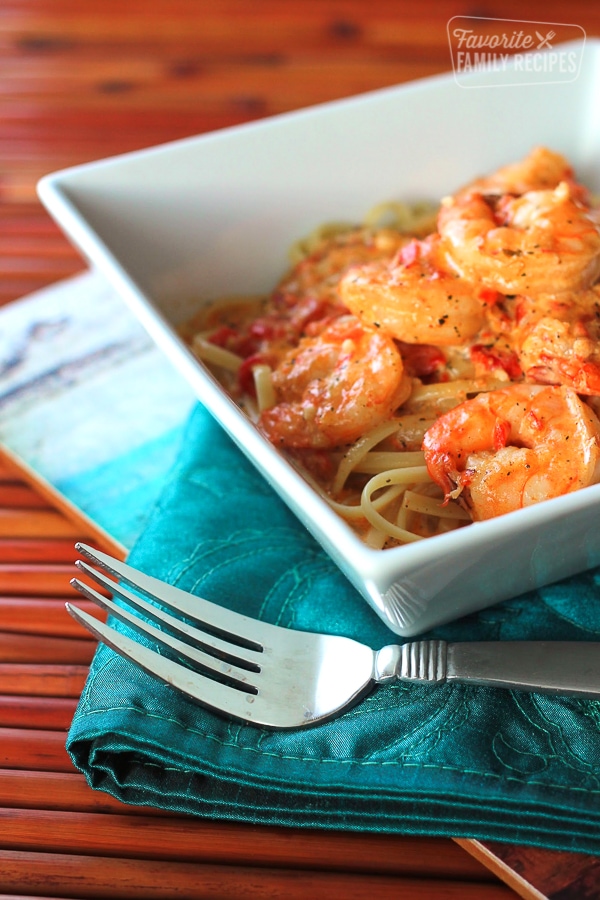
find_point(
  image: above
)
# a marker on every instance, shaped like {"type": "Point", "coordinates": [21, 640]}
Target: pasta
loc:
{"type": "Point", "coordinates": [402, 373]}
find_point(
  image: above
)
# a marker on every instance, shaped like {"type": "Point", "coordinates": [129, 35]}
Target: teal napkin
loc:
{"type": "Point", "coordinates": [427, 760]}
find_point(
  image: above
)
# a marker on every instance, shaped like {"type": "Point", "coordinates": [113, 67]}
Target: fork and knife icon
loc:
{"type": "Point", "coordinates": [545, 41]}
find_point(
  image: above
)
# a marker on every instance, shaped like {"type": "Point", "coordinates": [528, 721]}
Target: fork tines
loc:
{"type": "Point", "coordinates": [227, 658]}
{"type": "Point", "coordinates": [242, 667]}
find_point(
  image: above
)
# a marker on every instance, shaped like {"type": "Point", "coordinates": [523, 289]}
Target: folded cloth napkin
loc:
{"type": "Point", "coordinates": [432, 760]}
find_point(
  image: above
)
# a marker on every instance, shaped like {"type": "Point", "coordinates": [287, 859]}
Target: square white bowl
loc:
{"type": "Point", "coordinates": [215, 215]}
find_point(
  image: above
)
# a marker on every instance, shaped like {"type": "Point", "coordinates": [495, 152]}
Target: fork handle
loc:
{"type": "Point", "coordinates": [551, 667]}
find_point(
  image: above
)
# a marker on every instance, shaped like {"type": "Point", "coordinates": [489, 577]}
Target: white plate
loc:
{"type": "Point", "coordinates": [214, 215]}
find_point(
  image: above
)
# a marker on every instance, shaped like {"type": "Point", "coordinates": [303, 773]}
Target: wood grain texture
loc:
{"type": "Point", "coordinates": [60, 838]}
{"type": "Point", "coordinates": [81, 81]}
{"type": "Point", "coordinates": [144, 879]}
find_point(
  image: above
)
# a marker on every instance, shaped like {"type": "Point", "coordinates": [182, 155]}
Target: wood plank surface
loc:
{"type": "Point", "coordinates": [59, 837]}
{"type": "Point", "coordinates": [81, 81]}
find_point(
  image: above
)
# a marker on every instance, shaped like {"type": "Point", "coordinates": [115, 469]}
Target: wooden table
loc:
{"type": "Point", "coordinates": [83, 80]}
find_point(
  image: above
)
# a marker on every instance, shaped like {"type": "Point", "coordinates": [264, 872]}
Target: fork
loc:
{"type": "Point", "coordinates": [281, 678]}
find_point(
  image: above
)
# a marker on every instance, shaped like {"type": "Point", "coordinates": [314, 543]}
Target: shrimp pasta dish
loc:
{"type": "Point", "coordinates": [433, 365]}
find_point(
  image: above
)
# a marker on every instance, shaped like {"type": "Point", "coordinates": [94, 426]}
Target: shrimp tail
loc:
{"type": "Point", "coordinates": [584, 377]}
{"type": "Point", "coordinates": [442, 469]}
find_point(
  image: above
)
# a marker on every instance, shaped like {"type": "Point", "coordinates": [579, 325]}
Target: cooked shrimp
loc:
{"type": "Point", "coordinates": [335, 386]}
{"type": "Point", "coordinates": [317, 273]}
{"type": "Point", "coordinates": [513, 447]}
{"type": "Point", "coordinates": [556, 352]}
{"type": "Point", "coordinates": [542, 241]}
{"type": "Point", "coordinates": [555, 338]}
{"type": "Point", "coordinates": [304, 302]}
{"type": "Point", "coordinates": [413, 298]}
{"type": "Point", "coordinates": [542, 169]}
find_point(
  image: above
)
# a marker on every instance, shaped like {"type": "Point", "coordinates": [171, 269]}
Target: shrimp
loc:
{"type": "Point", "coordinates": [316, 274]}
{"type": "Point", "coordinates": [543, 241]}
{"type": "Point", "coordinates": [555, 338]}
{"type": "Point", "coordinates": [335, 386]}
{"type": "Point", "coordinates": [556, 352]}
{"type": "Point", "coordinates": [542, 169]}
{"type": "Point", "coordinates": [413, 299]}
{"type": "Point", "coordinates": [304, 302]}
{"type": "Point", "coordinates": [513, 447]}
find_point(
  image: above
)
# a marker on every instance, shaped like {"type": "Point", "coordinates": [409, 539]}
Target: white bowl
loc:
{"type": "Point", "coordinates": [215, 215]}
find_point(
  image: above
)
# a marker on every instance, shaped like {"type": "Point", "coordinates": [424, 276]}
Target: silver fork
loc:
{"type": "Point", "coordinates": [281, 678]}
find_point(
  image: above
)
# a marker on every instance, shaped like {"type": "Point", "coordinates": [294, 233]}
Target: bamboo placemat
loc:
{"type": "Point", "coordinates": [59, 838]}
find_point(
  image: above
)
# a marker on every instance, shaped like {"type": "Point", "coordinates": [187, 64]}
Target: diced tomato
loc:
{"type": "Point", "coordinates": [489, 296]}
{"type": "Point", "coordinates": [520, 311]}
{"type": "Point", "coordinates": [421, 360]}
{"type": "Point", "coordinates": [267, 329]}
{"type": "Point", "coordinates": [223, 336]}
{"type": "Point", "coordinates": [245, 377]}
{"type": "Point", "coordinates": [490, 358]}
{"type": "Point", "coordinates": [236, 341]}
